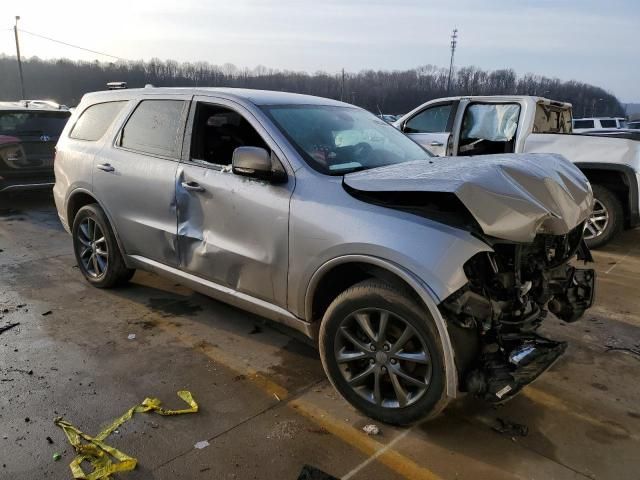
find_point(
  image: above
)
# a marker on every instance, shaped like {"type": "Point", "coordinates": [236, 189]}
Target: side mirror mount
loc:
{"type": "Point", "coordinates": [255, 162]}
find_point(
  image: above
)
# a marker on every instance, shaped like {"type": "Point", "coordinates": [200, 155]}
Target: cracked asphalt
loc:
{"type": "Point", "coordinates": [266, 408]}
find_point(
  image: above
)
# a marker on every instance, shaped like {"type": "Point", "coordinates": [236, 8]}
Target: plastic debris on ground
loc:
{"type": "Point", "coordinates": [4, 328]}
{"type": "Point", "coordinates": [371, 429]}
{"type": "Point", "coordinates": [98, 454]}
{"type": "Point", "coordinates": [202, 444]}
{"type": "Point", "coordinates": [312, 473]}
{"type": "Point", "coordinates": [512, 429]}
{"type": "Point", "coordinates": [131, 336]}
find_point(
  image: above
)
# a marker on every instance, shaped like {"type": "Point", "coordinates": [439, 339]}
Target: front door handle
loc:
{"type": "Point", "coordinates": [105, 167]}
{"type": "Point", "coordinates": [436, 143]}
{"type": "Point", "coordinates": [192, 186]}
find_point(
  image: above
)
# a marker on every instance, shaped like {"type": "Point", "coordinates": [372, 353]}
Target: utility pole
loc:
{"type": "Point", "coordinates": [15, 32]}
{"type": "Point", "coordinates": [342, 87]}
{"type": "Point", "coordinates": [454, 42]}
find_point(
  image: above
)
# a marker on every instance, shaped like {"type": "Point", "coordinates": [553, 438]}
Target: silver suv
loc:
{"type": "Point", "coordinates": [419, 277]}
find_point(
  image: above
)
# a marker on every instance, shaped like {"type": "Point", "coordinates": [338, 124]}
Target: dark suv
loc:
{"type": "Point", "coordinates": [28, 136]}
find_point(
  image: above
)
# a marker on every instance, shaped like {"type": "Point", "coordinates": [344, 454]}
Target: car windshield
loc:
{"type": "Point", "coordinates": [33, 123]}
{"type": "Point", "coordinates": [338, 140]}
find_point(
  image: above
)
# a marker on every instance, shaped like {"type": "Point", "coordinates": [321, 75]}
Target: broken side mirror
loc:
{"type": "Point", "coordinates": [255, 162]}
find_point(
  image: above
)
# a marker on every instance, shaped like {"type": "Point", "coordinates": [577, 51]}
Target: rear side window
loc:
{"type": "Point", "coordinates": [583, 124]}
{"type": "Point", "coordinates": [608, 124]}
{"type": "Point", "coordinates": [95, 120]}
{"type": "Point", "coordinates": [154, 127]}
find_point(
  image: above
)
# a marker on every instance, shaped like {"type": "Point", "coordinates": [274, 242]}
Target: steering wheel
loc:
{"type": "Point", "coordinates": [362, 149]}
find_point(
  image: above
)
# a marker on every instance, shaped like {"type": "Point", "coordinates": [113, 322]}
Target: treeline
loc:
{"type": "Point", "coordinates": [378, 91]}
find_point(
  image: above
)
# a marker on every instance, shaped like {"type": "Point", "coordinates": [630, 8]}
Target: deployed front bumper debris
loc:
{"type": "Point", "coordinates": [499, 380]}
{"type": "Point", "coordinates": [493, 319]}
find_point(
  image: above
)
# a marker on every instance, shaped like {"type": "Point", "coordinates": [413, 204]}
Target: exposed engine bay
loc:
{"type": "Point", "coordinates": [494, 318]}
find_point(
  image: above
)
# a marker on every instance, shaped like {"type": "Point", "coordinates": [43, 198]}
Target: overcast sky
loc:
{"type": "Point", "coordinates": [593, 41]}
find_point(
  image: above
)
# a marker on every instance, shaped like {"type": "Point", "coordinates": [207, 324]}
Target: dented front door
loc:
{"type": "Point", "coordinates": [233, 230]}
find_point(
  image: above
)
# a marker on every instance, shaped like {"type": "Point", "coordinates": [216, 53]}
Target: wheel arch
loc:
{"type": "Point", "coordinates": [621, 181]}
{"type": "Point", "coordinates": [345, 271]}
{"type": "Point", "coordinates": [80, 198]}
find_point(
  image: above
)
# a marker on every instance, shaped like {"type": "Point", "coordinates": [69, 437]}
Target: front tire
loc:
{"type": "Point", "coordinates": [381, 351]}
{"type": "Point", "coordinates": [606, 220]}
{"type": "Point", "coordinates": [96, 249]}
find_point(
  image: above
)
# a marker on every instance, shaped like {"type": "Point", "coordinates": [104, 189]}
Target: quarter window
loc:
{"type": "Point", "coordinates": [95, 120]}
{"type": "Point", "coordinates": [583, 124]}
{"type": "Point", "coordinates": [154, 127]}
{"type": "Point", "coordinates": [431, 120]}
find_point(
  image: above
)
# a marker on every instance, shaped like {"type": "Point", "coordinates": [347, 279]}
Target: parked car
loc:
{"type": "Point", "coordinates": [581, 125]}
{"type": "Point", "coordinates": [28, 135]}
{"type": "Point", "coordinates": [634, 125]}
{"type": "Point", "coordinates": [467, 126]}
{"type": "Point", "coordinates": [418, 277]}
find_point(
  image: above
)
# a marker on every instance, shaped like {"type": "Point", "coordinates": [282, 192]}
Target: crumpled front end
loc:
{"type": "Point", "coordinates": [511, 197]}
{"type": "Point", "coordinates": [494, 318]}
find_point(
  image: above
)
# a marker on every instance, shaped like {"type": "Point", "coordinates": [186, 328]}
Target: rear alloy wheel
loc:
{"type": "Point", "coordinates": [380, 350]}
{"type": "Point", "coordinates": [96, 249]}
{"type": "Point", "coordinates": [605, 220]}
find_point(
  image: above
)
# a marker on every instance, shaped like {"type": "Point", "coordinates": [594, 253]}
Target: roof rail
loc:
{"type": "Point", "coordinates": [116, 85]}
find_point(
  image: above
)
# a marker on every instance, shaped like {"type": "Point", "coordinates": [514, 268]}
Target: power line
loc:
{"type": "Point", "coordinates": [72, 45]}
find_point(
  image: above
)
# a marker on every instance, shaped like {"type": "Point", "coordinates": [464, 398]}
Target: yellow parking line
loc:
{"type": "Point", "coordinates": [538, 396]}
{"type": "Point", "coordinates": [367, 445]}
{"type": "Point", "coordinates": [348, 434]}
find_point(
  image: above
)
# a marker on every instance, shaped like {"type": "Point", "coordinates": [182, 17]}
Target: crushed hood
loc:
{"type": "Point", "coordinates": [512, 196]}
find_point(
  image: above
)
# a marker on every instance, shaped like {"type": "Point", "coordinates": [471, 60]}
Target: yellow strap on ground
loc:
{"type": "Point", "coordinates": [99, 454]}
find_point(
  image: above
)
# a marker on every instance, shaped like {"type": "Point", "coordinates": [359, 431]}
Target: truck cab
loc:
{"type": "Point", "coordinates": [471, 126]}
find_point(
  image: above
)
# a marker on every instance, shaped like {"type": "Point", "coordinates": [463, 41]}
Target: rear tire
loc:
{"type": "Point", "coordinates": [387, 379]}
{"type": "Point", "coordinates": [96, 249]}
{"type": "Point", "coordinates": [607, 218]}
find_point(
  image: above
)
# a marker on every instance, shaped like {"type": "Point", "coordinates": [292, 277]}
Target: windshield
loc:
{"type": "Point", "coordinates": [33, 123]}
{"type": "Point", "coordinates": [338, 140]}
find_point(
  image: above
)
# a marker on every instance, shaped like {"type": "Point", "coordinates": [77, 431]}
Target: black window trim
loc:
{"type": "Point", "coordinates": [181, 129]}
{"type": "Point", "coordinates": [108, 128]}
{"type": "Point", "coordinates": [452, 116]}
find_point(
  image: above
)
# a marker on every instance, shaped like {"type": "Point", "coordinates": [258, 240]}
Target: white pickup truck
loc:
{"type": "Point", "coordinates": [467, 126]}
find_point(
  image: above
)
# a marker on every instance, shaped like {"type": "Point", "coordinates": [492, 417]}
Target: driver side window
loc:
{"type": "Point", "coordinates": [431, 120]}
{"type": "Point", "coordinates": [218, 131]}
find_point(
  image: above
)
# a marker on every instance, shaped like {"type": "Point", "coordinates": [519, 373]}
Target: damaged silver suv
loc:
{"type": "Point", "coordinates": [419, 277]}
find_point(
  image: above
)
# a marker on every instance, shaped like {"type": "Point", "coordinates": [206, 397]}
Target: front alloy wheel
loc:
{"type": "Point", "coordinates": [606, 220]}
{"type": "Point", "coordinates": [380, 349]}
{"type": "Point", "coordinates": [598, 222]}
{"type": "Point", "coordinates": [382, 358]}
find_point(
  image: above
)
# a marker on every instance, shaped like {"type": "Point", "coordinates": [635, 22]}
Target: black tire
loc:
{"type": "Point", "coordinates": [111, 270]}
{"type": "Point", "coordinates": [604, 232]}
{"type": "Point", "coordinates": [371, 296]}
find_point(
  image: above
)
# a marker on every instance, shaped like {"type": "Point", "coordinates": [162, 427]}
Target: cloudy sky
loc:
{"type": "Point", "coordinates": [593, 41]}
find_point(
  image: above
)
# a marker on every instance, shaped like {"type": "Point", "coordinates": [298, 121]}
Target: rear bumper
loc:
{"type": "Point", "coordinates": [20, 184]}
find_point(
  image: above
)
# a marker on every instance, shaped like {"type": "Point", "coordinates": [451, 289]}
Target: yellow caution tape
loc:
{"type": "Point", "coordinates": [99, 454]}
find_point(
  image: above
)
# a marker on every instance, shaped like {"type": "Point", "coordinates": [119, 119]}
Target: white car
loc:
{"type": "Point", "coordinates": [582, 125]}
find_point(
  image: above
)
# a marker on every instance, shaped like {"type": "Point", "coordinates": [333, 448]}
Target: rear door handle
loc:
{"type": "Point", "coordinates": [192, 186]}
{"type": "Point", "coordinates": [436, 143]}
{"type": "Point", "coordinates": [105, 167]}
